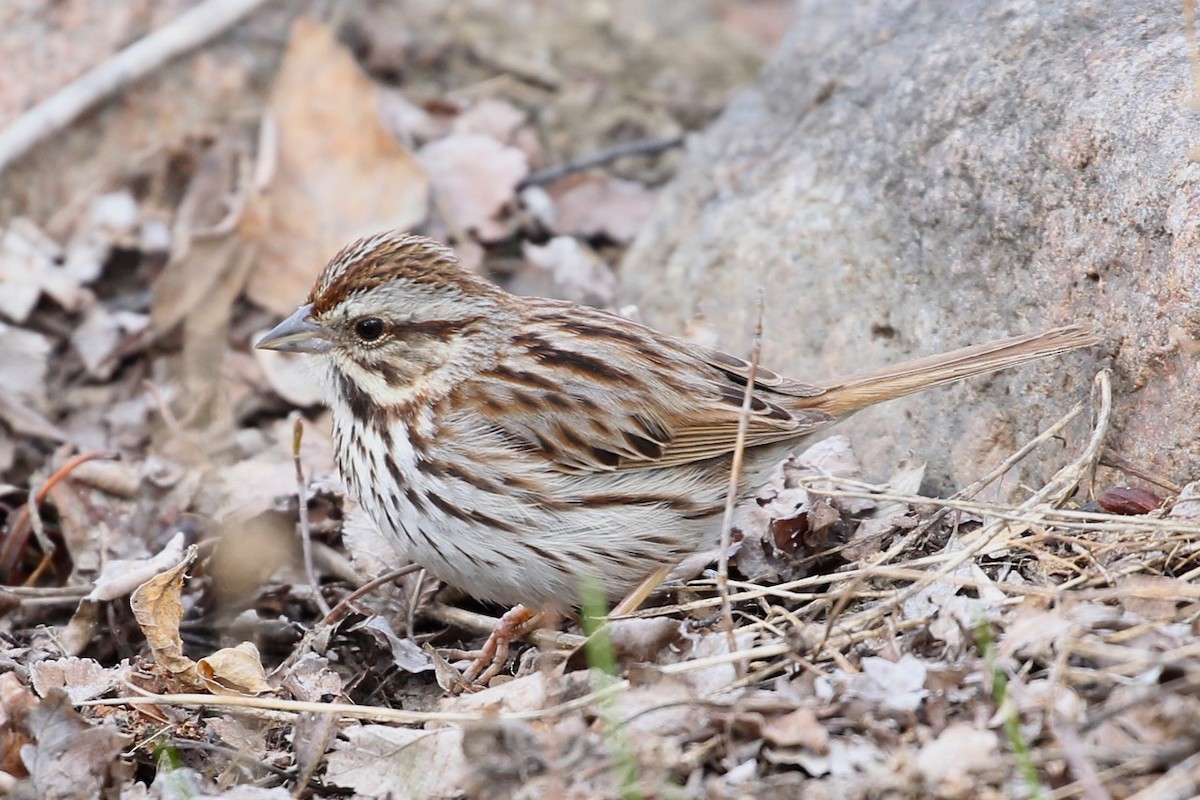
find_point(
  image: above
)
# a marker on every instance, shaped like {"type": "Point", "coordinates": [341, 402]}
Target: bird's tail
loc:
{"type": "Point", "coordinates": [846, 395]}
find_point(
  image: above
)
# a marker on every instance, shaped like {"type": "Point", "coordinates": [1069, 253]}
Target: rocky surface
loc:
{"type": "Point", "coordinates": [908, 178]}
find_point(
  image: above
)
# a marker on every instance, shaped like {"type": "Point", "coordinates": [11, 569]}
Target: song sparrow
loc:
{"type": "Point", "coordinates": [514, 446]}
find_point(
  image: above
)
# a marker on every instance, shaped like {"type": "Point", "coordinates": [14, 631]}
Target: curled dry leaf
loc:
{"type": "Point", "coordinates": [890, 516]}
{"type": "Point", "coordinates": [100, 334]}
{"type": "Point", "coordinates": [788, 520]}
{"type": "Point", "coordinates": [219, 189]}
{"type": "Point", "coordinates": [502, 757]}
{"type": "Point", "coordinates": [800, 728]}
{"type": "Point", "coordinates": [112, 220]}
{"type": "Point", "coordinates": [340, 173]}
{"type": "Point", "coordinates": [29, 269]}
{"type": "Point", "coordinates": [643, 639]}
{"type": "Point", "coordinates": [526, 693]}
{"type": "Point", "coordinates": [897, 686]}
{"type": "Point", "coordinates": [158, 609]}
{"type": "Point", "coordinates": [951, 761]}
{"type": "Point", "coordinates": [120, 577]}
{"type": "Point", "coordinates": [234, 671]}
{"type": "Point", "coordinates": [410, 122]}
{"type": "Point", "coordinates": [1154, 597]}
{"type": "Point", "coordinates": [491, 117]}
{"type": "Point", "coordinates": [310, 679]}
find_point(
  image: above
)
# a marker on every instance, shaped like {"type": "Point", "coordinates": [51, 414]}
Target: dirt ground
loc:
{"type": "Point", "coordinates": [187, 603]}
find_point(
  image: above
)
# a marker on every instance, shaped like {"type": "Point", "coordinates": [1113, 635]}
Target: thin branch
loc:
{"type": "Point", "coordinates": [310, 571]}
{"type": "Point", "coordinates": [735, 477]}
{"type": "Point", "coordinates": [190, 30]}
{"type": "Point", "coordinates": [642, 147]}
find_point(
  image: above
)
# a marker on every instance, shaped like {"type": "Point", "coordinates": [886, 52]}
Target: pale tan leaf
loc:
{"type": "Point", "coordinates": [234, 671]}
{"type": "Point", "coordinates": [158, 609]}
{"type": "Point", "coordinates": [799, 728]}
{"type": "Point", "coordinates": [80, 678]}
{"type": "Point", "coordinates": [340, 173]}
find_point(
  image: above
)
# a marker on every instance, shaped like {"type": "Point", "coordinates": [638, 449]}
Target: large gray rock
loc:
{"type": "Point", "coordinates": [911, 177]}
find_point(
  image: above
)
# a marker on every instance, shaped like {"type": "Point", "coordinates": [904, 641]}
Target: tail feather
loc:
{"type": "Point", "coordinates": [849, 394]}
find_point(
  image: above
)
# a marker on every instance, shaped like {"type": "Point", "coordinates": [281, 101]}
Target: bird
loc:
{"type": "Point", "coordinates": [521, 447]}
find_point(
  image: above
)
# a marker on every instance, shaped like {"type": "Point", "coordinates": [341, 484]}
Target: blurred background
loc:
{"type": "Point", "coordinates": [145, 243]}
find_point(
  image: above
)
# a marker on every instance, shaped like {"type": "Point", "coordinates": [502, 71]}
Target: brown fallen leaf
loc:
{"type": "Point", "coordinates": [16, 700]}
{"type": "Point", "coordinates": [340, 173]}
{"type": "Point", "coordinates": [29, 268]}
{"type": "Point", "coordinates": [122, 576]}
{"type": "Point", "coordinates": [799, 728]}
{"type": "Point", "coordinates": [69, 758]}
{"type": "Point", "coordinates": [158, 609]}
{"type": "Point", "coordinates": [1128, 500]}
{"type": "Point", "coordinates": [80, 678]}
{"type": "Point", "coordinates": [234, 671]}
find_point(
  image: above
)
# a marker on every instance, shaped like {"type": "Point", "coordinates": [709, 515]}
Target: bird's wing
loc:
{"type": "Point", "coordinates": [600, 394]}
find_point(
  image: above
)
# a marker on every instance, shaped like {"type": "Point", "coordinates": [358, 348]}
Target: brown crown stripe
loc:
{"type": "Point", "coordinates": [402, 257]}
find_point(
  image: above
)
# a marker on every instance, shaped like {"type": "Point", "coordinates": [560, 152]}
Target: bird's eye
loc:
{"type": "Point", "coordinates": [369, 328]}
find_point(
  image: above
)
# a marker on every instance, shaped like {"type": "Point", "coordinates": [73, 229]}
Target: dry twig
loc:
{"type": "Point", "coordinates": [189, 31]}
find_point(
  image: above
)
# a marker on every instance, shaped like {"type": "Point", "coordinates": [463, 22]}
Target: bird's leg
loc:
{"type": "Point", "coordinates": [491, 658]}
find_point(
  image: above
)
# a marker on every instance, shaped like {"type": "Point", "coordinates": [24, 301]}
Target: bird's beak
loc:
{"type": "Point", "coordinates": [296, 334]}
